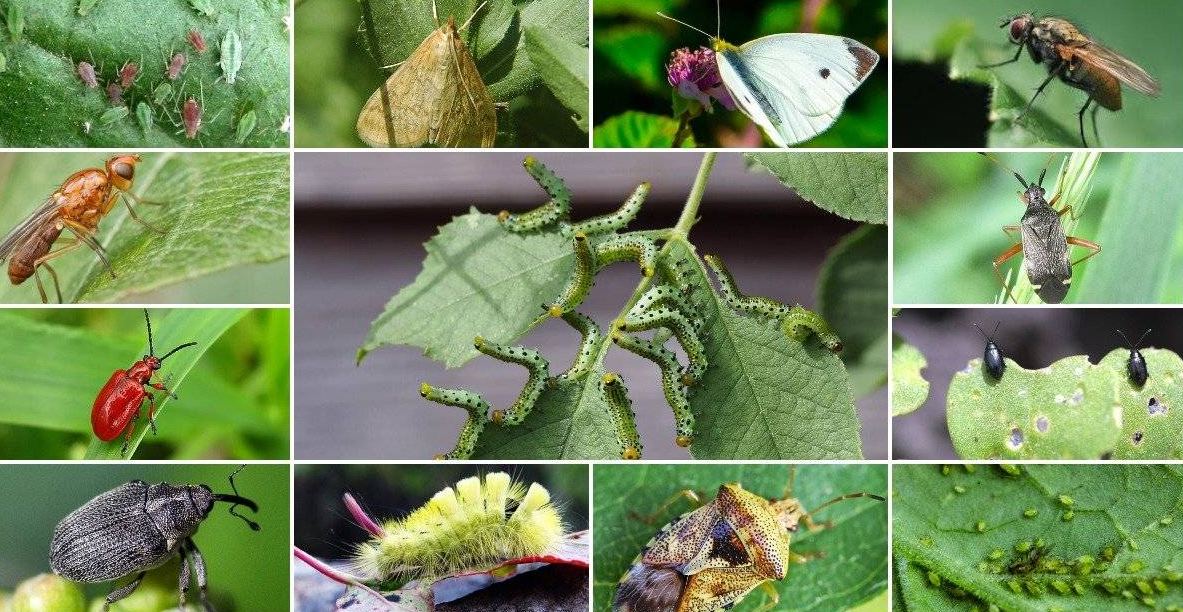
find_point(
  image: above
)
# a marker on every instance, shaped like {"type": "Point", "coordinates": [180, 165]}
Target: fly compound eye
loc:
{"type": "Point", "coordinates": [1018, 28]}
{"type": "Point", "coordinates": [124, 170]}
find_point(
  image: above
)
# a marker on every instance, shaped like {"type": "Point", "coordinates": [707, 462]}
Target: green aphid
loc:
{"type": "Point", "coordinates": [945, 470]}
{"type": "Point", "coordinates": [1031, 513]}
{"type": "Point", "coordinates": [983, 567]}
{"type": "Point", "coordinates": [1010, 469]}
{"type": "Point", "coordinates": [1145, 587]}
{"type": "Point", "coordinates": [1160, 586]}
{"type": "Point", "coordinates": [205, 7]}
{"type": "Point", "coordinates": [231, 56]}
{"type": "Point", "coordinates": [1084, 564]}
{"type": "Point", "coordinates": [84, 6]}
{"type": "Point", "coordinates": [981, 526]}
{"type": "Point", "coordinates": [144, 116]}
{"type": "Point", "coordinates": [113, 114]}
{"type": "Point", "coordinates": [996, 554]}
{"type": "Point", "coordinates": [1023, 546]}
{"type": "Point", "coordinates": [1033, 588]}
{"type": "Point", "coordinates": [993, 608]}
{"type": "Point", "coordinates": [1061, 586]}
{"type": "Point", "coordinates": [1111, 587]}
{"type": "Point", "coordinates": [1108, 553]}
{"type": "Point", "coordinates": [16, 20]}
{"type": "Point", "coordinates": [1133, 544]}
{"type": "Point", "coordinates": [1039, 543]}
{"type": "Point", "coordinates": [1135, 566]}
{"type": "Point", "coordinates": [1055, 609]}
{"type": "Point", "coordinates": [3, 63]}
{"type": "Point", "coordinates": [246, 125]}
{"type": "Point", "coordinates": [1078, 588]}
{"type": "Point", "coordinates": [1015, 586]}
{"type": "Point", "coordinates": [1166, 520]}
{"type": "Point", "coordinates": [934, 579]}
{"type": "Point", "coordinates": [1148, 601]}
{"type": "Point", "coordinates": [1067, 501]}
{"type": "Point", "coordinates": [1172, 575]}
{"type": "Point", "coordinates": [1067, 516]}
{"type": "Point", "coordinates": [960, 490]}
{"type": "Point", "coordinates": [1128, 594]}
{"type": "Point", "coordinates": [926, 540]}
{"type": "Point", "coordinates": [162, 93]}
{"type": "Point", "coordinates": [970, 468]}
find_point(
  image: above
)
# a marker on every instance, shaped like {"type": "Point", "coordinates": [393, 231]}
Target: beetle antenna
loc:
{"type": "Point", "coordinates": [844, 498]}
{"type": "Point", "coordinates": [1022, 181]}
{"type": "Point", "coordinates": [661, 14]}
{"type": "Point", "coordinates": [237, 500]}
{"type": "Point", "coordinates": [151, 351]}
{"type": "Point", "coordinates": [185, 345]}
{"type": "Point", "coordinates": [989, 338]}
{"type": "Point", "coordinates": [1142, 338]}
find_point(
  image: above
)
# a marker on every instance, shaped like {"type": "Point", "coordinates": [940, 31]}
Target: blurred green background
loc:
{"type": "Point", "coordinates": [931, 110]}
{"type": "Point", "coordinates": [233, 404]}
{"type": "Point", "coordinates": [632, 45]}
{"type": "Point", "coordinates": [950, 208]}
{"type": "Point", "coordinates": [248, 570]}
{"type": "Point", "coordinates": [324, 528]}
{"type": "Point", "coordinates": [335, 75]}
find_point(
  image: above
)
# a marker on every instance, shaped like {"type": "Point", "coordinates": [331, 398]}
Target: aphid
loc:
{"type": "Point", "coordinates": [556, 209]}
{"type": "Point", "coordinates": [144, 116]}
{"type": "Point", "coordinates": [86, 73]}
{"type": "Point", "coordinates": [127, 74]}
{"type": "Point", "coordinates": [197, 40]}
{"type": "Point", "coordinates": [16, 20]}
{"type": "Point", "coordinates": [162, 93]}
{"type": "Point", "coordinates": [136, 527]}
{"type": "Point", "coordinates": [246, 125]}
{"type": "Point", "coordinates": [3, 63]}
{"type": "Point", "coordinates": [1136, 366]}
{"type": "Point", "coordinates": [676, 322]}
{"type": "Point", "coordinates": [710, 558]}
{"type": "Point", "coordinates": [992, 360]}
{"type": "Point", "coordinates": [478, 523]}
{"type": "Point", "coordinates": [1043, 244]}
{"type": "Point", "coordinates": [671, 382]}
{"type": "Point", "coordinates": [191, 116]}
{"type": "Point", "coordinates": [591, 337]}
{"type": "Point", "coordinates": [533, 361]}
{"type": "Point", "coordinates": [615, 220]}
{"type": "Point", "coordinates": [628, 247]}
{"type": "Point", "coordinates": [580, 282]}
{"type": "Point", "coordinates": [77, 205]}
{"type": "Point", "coordinates": [231, 56]}
{"type": "Point", "coordinates": [205, 7]}
{"type": "Point", "coordinates": [117, 406]}
{"type": "Point", "coordinates": [1079, 61]}
{"type": "Point", "coordinates": [624, 420]}
{"type": "Point", "coordinates": [84, 6]}
{"type": "Point", "coordinates": [1027, 560]}
{"type": "Point", "coordinates": [115, 93]}
{"type": "Point", "coordinates": [175, 65]}
{"type": "Point", "coordinates": [474, 404]}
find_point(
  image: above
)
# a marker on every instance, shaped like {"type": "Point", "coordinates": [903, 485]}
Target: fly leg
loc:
{"type": "Point", "coordinates": [1080, 120]}
{"type": "Point", "coordinates": [199, 570]}
{"type": "Point", "coordinates": [1096, 134]}
{"type": "Point", "coordinates": [122, 591]}
{"type": "Point", "coordinates": [691, 496]}
{"type": "Point", "coordinates": [1055, 72]}
{"type": "Point", "coordinates": [1093, 248]}
{"type": "Point", "coordinates": [1012, 60]}
{"type": "Point", "coordinates": [86, 236]}
{"type": "Point", "coordinates": [44, 261]}
{"type": "Point", "coordinates": [998, 261]}
{"type": "Point", "coordinates": [127, 195]}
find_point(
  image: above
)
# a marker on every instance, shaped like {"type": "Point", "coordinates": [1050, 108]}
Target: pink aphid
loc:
{"type": "Point", "coordinates": [115, 93]}
{"type": "Point", "coordinates": [127, 74]}
{"type": "Point", "coordinates": [175, 66]}
{"type": "Point", "coordinates": [197, 40]}
{"type": "Point", "coordinates": [191, 115]}
{"type": "Point", "coordinates": [86, 73]}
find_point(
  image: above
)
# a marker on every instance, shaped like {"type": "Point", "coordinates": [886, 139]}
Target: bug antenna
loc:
{"type": "Point", "coordinates": [718, 19]}
{"type": "Point", "coordinates": [151, 351]}
{"type": "Point", "coordinates": [994, 331]}
{"type": "Point", "coordinates": [473, 15]}
{"type": "Point", "coordinates": [981, 332]}
{"type": "Point", "coordinates": [1022, 181]}
{"type": "Point", "coordinates": [168, 354]}
{"type": "Point", "coordinates": [237, 500]}
{"type": "Point", "coordinates": [661, 14]}
{"type": "Point", "coordinates": [1046, 164]}
{"type": "Point", "coordinates": [1142, 338]}
{"type": "Point", "coordinates": [844, 498]}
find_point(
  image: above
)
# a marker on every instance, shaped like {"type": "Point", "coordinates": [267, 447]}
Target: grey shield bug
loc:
{"type": "Point", "coordinates": [711, 557]}
{"type": "Point", "coordinates": [136, 527]}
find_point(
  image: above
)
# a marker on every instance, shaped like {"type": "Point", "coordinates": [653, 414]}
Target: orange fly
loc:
{"type": "Point", "coordinates": [78, 205]}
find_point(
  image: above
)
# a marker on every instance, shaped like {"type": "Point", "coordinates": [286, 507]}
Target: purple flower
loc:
{"type": "Point", "coordinates": [695, 75]}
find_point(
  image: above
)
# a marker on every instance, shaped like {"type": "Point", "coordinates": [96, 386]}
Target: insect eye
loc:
{"type": "Point", "coordinates": [124, 170]}
{"type": "Point", "coordinates": [1018, 28]}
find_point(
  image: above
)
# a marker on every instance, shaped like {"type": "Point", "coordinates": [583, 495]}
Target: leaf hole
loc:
{"type": "Point", "coordinates": [1077, 397]}
{"type": "Point", "coordinates": [1015, 442]}
{"type": "Point", "coordinates": [1041, 424]}
{"type": "Point", "coordinates": [1137, 438]}
{"type": "Point", "coordinates": [1155, 407]}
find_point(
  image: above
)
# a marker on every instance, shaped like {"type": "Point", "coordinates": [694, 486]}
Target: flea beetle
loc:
{"type": "Point", "coordinates": [992, 359]}
{"type": "Point", "coordinates": [118, 404]}
{"type": "Point", "coordinates": [1136, 366]}
{"type": "Point", "coordinates": [712, 557]}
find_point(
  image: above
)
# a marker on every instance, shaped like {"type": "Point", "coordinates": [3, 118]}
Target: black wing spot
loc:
{"type": "Point", "coordinates": [825, 72]}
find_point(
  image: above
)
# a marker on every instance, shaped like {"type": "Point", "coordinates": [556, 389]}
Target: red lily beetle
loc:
{"type": "Point", "coordinates": [118, 404]}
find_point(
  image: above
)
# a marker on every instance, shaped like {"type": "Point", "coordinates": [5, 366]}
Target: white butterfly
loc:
{"type": "Point", "coordinates": [792, 85]}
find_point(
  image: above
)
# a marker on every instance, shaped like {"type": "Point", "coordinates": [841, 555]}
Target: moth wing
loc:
{"type": "Point", "coordinates": [794, 85]}
{"type": "Point", "coordinates": [467, 118]}
{"type": "Point", "coordinates": [48, 210]}
{"type": "Point", "coordinates": [1119, 66]}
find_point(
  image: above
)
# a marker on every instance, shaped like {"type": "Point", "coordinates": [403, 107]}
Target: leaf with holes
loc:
{"type": "Point", "coordinates": [909, 389]}
{"type": "Point", "coordinates": [1151, 418]}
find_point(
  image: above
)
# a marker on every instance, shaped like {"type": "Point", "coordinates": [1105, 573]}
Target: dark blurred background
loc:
{"type": "Point", "coordinates": [362, 219]}
{"type": "Point", "coordinates": [632, 44]}
{"type": "Point", "coordinates": [324, 528]}
{"type": "Point", "coordinates": [1033, 337]}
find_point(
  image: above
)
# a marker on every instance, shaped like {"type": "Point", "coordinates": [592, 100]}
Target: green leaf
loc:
{"type": "Point", "coordinates": [563, 66]}
{"type": "Point", "coordinates": [637, 51]}
{"type": "Point", "coordinates": [477, 279]}
{"type": "Point", "coordinates": [852, 570]}
{"type": "Point", "coordinates": [1062, 411]}
{"type": "Point", "coordinates": [852, 297]}
{"type": "Point", "coordinates": [1142, 217]}
{"type": "Point", "coordinates": [850, 185]}
{"type": "Point", "coordinates": [203, 326]}
{"type": "Point", "coordinates": [221, 211]}
{"type": "Point", "coordinates": [1149, 430]}
{"type": "Point", "coordinates": [948, 523]}
{"type": "Point", "coordinates": [765, 396]}
{"type": "Point", "coordinates": [909, 389]}
{"type": "Point", "coordinates": [634, 129]}
{"type": "Point", "coordinates": [47, 105]}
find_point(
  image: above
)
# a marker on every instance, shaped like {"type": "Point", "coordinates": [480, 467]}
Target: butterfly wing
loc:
{"type": "Point", "coordinates": [794, 85]}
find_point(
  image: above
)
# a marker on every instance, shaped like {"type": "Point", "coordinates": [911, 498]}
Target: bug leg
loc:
{"type": "Point", "coordinates": [131, 427]}
{"type": "Point", "coordinates": [1093, 247]}
{"type": "Point", "coordinates": [1007, 229]}
{"type": "Point", "coordinates": [122, 591]}
{"type": "Point", "coordinates": [44, 261]}
{"type": "Point", "coordinates": [151, 412]}
{"type": "Point", "coordinates": [1080, 120]}
{"type": "Point", "coordinates": [199, 569]}
{"type": "Point", "coordinates": [693, 497]}
{"type": "Point", "coordinates": [792, 476]}
{"type": "Point", "coordinates": [131, 211]}
{"type": "Point", "coordinates": [1012, 60]}
{"type": "Point", "coordinates": [1051, 75]}
{"type": "Point", "coordinates": [183, 579]}
{"type": "Point", "coordinates": [1096, 134]}
{"type": "Point", "coordinates": [807, 518]}
{"type": "Point", "coordinates": [998, 261]}
{"type": "Point", "coordinates": [86, 236]}
{"type": "Point", "coordinates": [771, 597]}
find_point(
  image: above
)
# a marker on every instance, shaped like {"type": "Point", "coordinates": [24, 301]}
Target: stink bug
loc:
{"type": "Point", "coordinates": [712, 557]}
{"type": "Point", "coordinates": [992, 359]}
{"type": "Point", "coordinates": [1043, 244]}
{"type": "Point", "coordinates": [136, 527]}
{"type": "Point", "coordinates": [117, 405]}
{"type": "Point", "coordinates": [1136, 366]}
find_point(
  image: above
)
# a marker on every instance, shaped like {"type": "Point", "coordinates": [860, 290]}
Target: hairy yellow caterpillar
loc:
{"type": "Point", "coordinates": [470, 527]}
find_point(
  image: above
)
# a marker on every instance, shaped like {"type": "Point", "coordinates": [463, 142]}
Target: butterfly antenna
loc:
{"type": "Point", "coordinates": [1022, 181]}
{"type": "Point", "coordinates": [661, 14]}
{"type": "Point", "coordinates": [473, 15]}
{"type": "Point", "coordinates": [718, 20]}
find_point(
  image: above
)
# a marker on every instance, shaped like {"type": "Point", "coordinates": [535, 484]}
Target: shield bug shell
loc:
{"type": "Point", "coordinates": [710, 558]}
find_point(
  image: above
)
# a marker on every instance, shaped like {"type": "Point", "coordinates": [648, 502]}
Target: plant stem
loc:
{"type": "Point", "coordinates": [683, 131]}
{"type": "Point", "coordinates": [690, 210]}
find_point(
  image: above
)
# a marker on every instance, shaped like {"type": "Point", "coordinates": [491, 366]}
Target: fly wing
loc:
{"type": "Point", "coordinates": [799, 81]}
{"type": "Point", "coordinates": [47, 211]}
{"type": "Point", "coordinates": [1122, 69]}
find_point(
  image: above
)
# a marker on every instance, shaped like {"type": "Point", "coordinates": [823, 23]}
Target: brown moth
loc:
{"type": "Point", "coordinates": [436, 97]}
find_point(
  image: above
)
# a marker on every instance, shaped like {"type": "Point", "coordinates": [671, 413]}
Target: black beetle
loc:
{"type": "Point", "coordinates": [136, 527]}
{"type": "Point", "coordinates": [1136, 366]}
{"type": "Point", "coordinates": [992, 359]}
